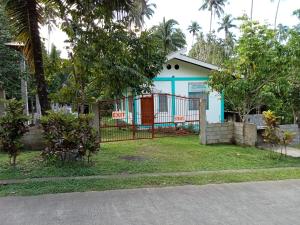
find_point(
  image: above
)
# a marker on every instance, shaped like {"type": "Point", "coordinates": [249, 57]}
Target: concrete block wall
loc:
{"type": "Point", "coordinates": [250, 131]}
{"type": "Point", "coordinates": [294, 128]}
{"type": "Point", "coordinates": [34, 140]}
{"type": "Point", "coordinates": [228, 133]}
{"type": "Point", "coordinates": [217, 133]}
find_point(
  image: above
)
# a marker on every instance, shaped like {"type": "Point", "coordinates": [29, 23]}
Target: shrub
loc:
{"type": "Point", "coordinates": [271, 132]}
{"type": "Point", "coordinates": [68, 137]}
{"type": "Point", "coordinates": [273, 135]}
{"type": "Point", "coordinates": [12, 128]}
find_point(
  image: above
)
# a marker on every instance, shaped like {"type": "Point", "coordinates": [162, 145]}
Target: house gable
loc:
{"type": "Point", "coordinates": [185, 69]}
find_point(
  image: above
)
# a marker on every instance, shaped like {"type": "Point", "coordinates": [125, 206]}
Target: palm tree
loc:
{"type": "Point", "coordinates": [194, 28]}
{"type": "Point", "coordinates": [138, 12]}
{"type": "Point", "coordinates": [49, 15]}
{"type": "Point", "coordinates": [226, 25]}
{"type": "Point", "coordinates": [276, 14]}
{"type": "Point", "coordinates": [215, 7]}
{"type": "Point", "coordinates": [172, 38]}
{"type": "Point", "coordinates": [25, 17]}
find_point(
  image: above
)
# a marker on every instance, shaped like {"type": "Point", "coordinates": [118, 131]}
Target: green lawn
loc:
{"type": "Point", "coordinates": [37, 188]}
{"type": "Point", "coordinates": [149, 156]}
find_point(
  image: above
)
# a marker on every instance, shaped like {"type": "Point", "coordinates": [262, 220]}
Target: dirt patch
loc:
{"type": "Point", "coordinates": [133, 158]}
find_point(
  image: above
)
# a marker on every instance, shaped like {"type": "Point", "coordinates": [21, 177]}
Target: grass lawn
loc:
{"type": "Point", "coordinates": [149, 156]}
{"type": "Point", "coordinates": [37, 188]}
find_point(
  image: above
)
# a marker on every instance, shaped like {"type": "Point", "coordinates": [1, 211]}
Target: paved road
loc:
{"type": "Point", "coordinates": [260, 203]}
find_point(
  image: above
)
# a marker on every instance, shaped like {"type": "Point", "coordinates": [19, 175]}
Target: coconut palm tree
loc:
{"type": "Point", "coordinates": [226, 25]}
{"type": "Point", "coordinates": [139, 11]}
{"type": "Point", "coordinates": [49, 14]}
{"type": "Point", "coordinates": [215, 7]}
{"type": "Point", "coordinates": [172, 38]}
{"type": "Point", "coordinates": [25, 17]}
{"type": "Point", "coordinates": [193, 29]}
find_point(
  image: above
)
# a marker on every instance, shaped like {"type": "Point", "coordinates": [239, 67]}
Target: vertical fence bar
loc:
{"type": "Point", "coordinates": [99, 115]}
{"type": "Point", "coordinates": [152, 116]}
{"type": "Point", "coordinates": [133, 117]}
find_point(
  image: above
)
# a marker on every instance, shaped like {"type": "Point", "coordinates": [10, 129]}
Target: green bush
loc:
{"type": "Point", "coordinates": [273, 135]}
{"type": "Point", "coordinates": [12, 128]}
{"type": "Point", "coordinates": [68, 137]}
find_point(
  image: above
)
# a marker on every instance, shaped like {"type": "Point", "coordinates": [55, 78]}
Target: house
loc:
{"type": "Point", "coordinates": [175, 95]}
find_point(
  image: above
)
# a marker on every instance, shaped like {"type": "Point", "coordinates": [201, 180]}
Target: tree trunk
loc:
{"type": "Point", "coordinates": [37, 56]}
{"type": "Point", "coordinates": [211, 16]}
{"type": "Point", "coordinates": [276, 15]}
{"type": "Point", "coordinates": [294, 116]}
{"type": "Point", "coordinates": [38, 107]}
{"type": "Point", "coordinates": [193, 40]}
{"type": "Point", "coordinates": [14, 160]}
{"type": "Point", "coordinates": [251, 15]}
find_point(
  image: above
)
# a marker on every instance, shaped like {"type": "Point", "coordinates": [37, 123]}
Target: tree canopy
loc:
{"type": "Point", "coordinates": [257, 63]}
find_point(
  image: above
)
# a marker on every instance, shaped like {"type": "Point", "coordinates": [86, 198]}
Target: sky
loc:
{"type": "Point", "coordinates": [186, 11]}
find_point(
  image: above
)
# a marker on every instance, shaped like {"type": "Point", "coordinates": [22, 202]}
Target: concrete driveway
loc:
{"type": "Point", "coordinates": [257, 203]}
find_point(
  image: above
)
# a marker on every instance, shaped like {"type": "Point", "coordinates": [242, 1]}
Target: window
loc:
{"type": "Point", "coordinates": [169, 67]}
{"type": "Point", "coordinates": [163, 103]}
{"type": "Point", "coordinates": [198, 90]}
{"type": "Point", "coordinates": [176, 67]}
{"type": "Point", "coordinates": [194, 103]}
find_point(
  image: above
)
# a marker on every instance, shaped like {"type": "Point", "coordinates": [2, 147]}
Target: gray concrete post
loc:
{"type": "Point", "coordinates": [202, 121]}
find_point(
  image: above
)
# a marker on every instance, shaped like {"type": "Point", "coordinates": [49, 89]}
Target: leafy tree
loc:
{"type": "Point", "coordinates": [282, 32]}
{"type": "Point", "coordinates": [9, 60]}
{"type": "Point", "coordinates": [284, 97]}
{"type": "Point", "coordinates": [12, 128]}
{"type": "Point", "coordinates": [292, 73]}
{"type": "Point", "coordinates": [107, 61]}
{"type": "Point", "coordinates": [24, 16]}
{"type": "Point", "coordinates": [226, 25]}
{"type": "Point", "coordinates": [171, 38]}
{"type": "Point", "coordinates": [210, 49]}
{"type": "Point", "coordinates": [257, 63]}
{"type": "Point", "coordinates": [57, 70]}
{"type": "Point", "coordinates": [215, 7]}
{"type": "Point", "coordinates": [194, 28]}
{"type": "Point", "coordinates": [297, 13]}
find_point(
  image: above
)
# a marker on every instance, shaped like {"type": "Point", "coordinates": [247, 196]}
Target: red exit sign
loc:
{"type": "Point", "coordinates": [179, 119]}
{"type": "Point", "coordinates": [117, 115]}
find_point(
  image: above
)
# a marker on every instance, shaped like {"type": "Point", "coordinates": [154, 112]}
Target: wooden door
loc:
{"type": "Point", "coordinates": [147, 109]}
